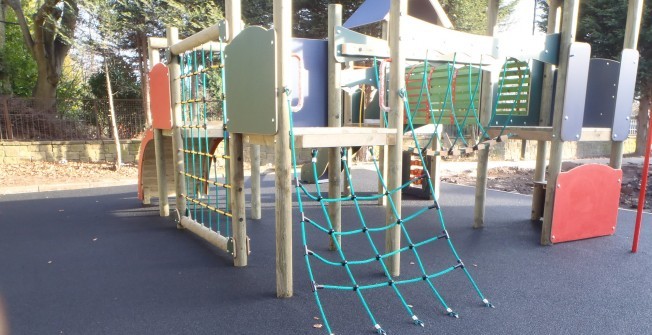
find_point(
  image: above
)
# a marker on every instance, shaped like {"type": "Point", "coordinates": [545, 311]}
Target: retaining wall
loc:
{"type": "Point", "coordinates": [12, 152]}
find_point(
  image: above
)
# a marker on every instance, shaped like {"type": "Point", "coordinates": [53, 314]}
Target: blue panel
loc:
{"type": "Point", "coordinates": [579, 57]}
{"type": "Point", "coordinates": [315, 82]}
{"type": "Point", "coordinates": [369, 12]}
{"type": "Point", "coordinates": [601, 93]}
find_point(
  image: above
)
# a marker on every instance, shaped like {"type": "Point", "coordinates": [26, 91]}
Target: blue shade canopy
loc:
{"type": "Point", "coordinates": [372, 11]}
{"type": "Point", "coordinates": [369, 12]}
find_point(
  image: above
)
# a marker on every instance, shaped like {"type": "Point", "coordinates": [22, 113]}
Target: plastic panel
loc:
{"type": "Point", "coordinates": [625, 95]}
{"type": "Point", "coordinates": [250, 75]}
{"type": "Point", "coordinates": [314, 80]}
{"type": "Point", "coordinates": [601, 93]}
{"type": "Point", "coordinates": [159, 90]}
{"type": "Point", "coordinates": [586, 203]}
{"type": "Point", "coordinates": [575, 95]}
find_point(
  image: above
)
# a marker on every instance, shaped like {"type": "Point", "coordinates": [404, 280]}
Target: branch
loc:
{"type": "Point", "coordinates": [20, 16]}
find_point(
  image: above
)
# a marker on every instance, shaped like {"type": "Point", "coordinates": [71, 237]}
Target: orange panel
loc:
{"type": "Point", "coordinates": [586, 203]}
{"type": "Point", "coordinates": [159, 90]}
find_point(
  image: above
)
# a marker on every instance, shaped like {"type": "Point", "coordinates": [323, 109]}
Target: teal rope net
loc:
{"type": "Point", "coordinates": [360, 288]}
{"type": "Point", "coordinates": [449, 94]}
{"type": "Point", "coordinates": [205, 139]}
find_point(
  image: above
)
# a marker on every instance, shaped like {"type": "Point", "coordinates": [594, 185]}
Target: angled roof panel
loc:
{"type": "Point", "coordinates": [369, 12]}
{"type": "Point", "coordinates": [372, 11]}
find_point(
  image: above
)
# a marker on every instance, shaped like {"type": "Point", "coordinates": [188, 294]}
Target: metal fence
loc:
{"type": "Point", "coordinates": [34, 119]}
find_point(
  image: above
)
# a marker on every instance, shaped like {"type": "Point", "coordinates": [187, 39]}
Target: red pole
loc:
{"type": "Point", "coordinates": [641, 195]}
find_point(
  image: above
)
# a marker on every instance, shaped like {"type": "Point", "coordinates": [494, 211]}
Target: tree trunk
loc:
{"type": "Point", "coordinates": [642, 121]}
{"type": "Point", "coordinates": [44, 92]}
{"type": "Point", "coordinates": [5, 82]}
{"type": "Point", "coordinates": [114, 123]}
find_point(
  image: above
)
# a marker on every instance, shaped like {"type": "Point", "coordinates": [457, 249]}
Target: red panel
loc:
{"type": "Point", "coordinates": [586, 203]}
{"type": "Point", "coordinates": [159, 89]}
{"type": "Point", "coordinates": [149, 136]}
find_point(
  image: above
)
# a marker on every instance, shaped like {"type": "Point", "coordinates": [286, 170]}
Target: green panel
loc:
{"type": "Point", "coordinates": [525, 112]}
{"type": "Point", "coordinates": [441, 78]}
{"type": "Point", "coordinates": [251, 82]}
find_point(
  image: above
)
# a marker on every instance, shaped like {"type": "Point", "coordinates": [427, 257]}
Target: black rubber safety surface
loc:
{"type": "Point", "coordinates": [97, 262]}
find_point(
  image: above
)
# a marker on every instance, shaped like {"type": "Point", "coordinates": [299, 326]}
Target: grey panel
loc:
{"type": "Point", "coordinates": [250, 79]}
{"type": "Point", "coordinates": [369, 12]}
{"type": "Point", "coordinates": [314, 82]}
{"type": "Point", "coordinates": [353, 77]}
{"type": "Point", "coordinates": [625, 94]}
{"type": "Point", "coordinates": [575, 91]}
{"type": "Point", "coordinates": [601, 93]}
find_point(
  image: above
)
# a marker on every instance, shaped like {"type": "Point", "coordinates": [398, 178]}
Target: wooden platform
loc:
{"type": "Point", "coordinates": [328, 137]}
{"type": "Point", "coordinates": [546, 134]}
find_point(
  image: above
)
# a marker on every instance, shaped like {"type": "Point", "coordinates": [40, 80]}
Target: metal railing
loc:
{"type": "Point", "coordinates": [34, 119]}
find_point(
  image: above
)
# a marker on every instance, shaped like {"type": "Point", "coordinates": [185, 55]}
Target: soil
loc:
{"type": "Point", "coordinates": [519, 180]}
{"type": "Point", "coordinates": [64, 172]}
{"type": "Point", "coordinates": [507, 178]}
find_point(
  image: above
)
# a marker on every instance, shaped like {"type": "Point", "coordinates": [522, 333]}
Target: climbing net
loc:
{"type": "Point", "coordinates": [205, 139]}
{"type": "Point", "coordinates": [449, 94]}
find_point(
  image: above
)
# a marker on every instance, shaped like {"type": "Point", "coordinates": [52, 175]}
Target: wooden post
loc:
{"type": "Point", "coordinates": [486, 106]}
{"type": "Point", "coordinates": [334, 120]}
{"type": "Point", "coordinates": [283, 27]}
{"type": "Point", "coordinates": [538, 195]}
{"type": "Point", "coordinates": [236, 151]}
{"type": "Point", "coordinates": [161, 180]}
{"type": "Point", "coordinates": [398, 9]}
{"type": "Point", "coordinates": [382, 151]}
{"type": "Point", "coordinates": [159, 150]}
{"type": "Point", "coordinates": [632, 31]}
{"type": "Point", "coordinates": [254, 157]}
{"type": "Point", "coordinates": [568, 31]}
{"type": "Point", "coordinates": [10, 130]}
{"type": "Point", "coordinates": [435, 163]}
{"type": "Point", "coordinates": [172, 35]}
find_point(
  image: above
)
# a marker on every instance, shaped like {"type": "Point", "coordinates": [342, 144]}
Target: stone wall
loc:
{"type": "Point", "coordinates": [12, 152]}
{"type": "Point", "coordinates": [54, 151]}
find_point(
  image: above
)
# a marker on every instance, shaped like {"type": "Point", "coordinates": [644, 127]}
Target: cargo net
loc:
{"type": "Point", "coordinates": [377, 259]}
{"type": "Point", "coordinates": [448, 94]}
{"type": "Point", "coordinates": [205, 140]}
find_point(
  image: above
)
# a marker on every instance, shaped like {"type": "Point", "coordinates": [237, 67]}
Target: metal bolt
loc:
{"type": "Point", "coordinates": [565, 117]}
{"type": "Point", "coordinates": [558, 185]}
{"type": "Point", "coordinates": [552, 237]}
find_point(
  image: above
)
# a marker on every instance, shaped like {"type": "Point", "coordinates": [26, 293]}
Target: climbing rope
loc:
{"type": "Point", "coordinates": [402, 222]}
{"type": "Point", "coordinates": [202, 102]}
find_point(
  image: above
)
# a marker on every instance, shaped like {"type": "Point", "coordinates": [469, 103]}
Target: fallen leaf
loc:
{"type": "Point", "coordinates": [317, 325]}
{"type": "Point", "coordinates": [316, 318]}
{"type": "Point", "coordinates": [49, 262]}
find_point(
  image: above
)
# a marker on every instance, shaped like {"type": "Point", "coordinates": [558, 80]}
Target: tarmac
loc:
{"type": "Point", "coordinates": [96, 261]}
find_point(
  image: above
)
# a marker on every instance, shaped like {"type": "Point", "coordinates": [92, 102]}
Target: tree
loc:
{"type": "Point", "coordinates": [48, 42]}
{"type": "Point", "coordinates": [471, 15]}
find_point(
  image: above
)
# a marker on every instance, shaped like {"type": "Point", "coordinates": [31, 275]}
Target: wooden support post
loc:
{"type": "Point", "coordinates": [236, 163]}
{"type": "Point", "coordinates": [435, 163]}
{"type": "Point", "coordinates": [334, 120]}
{"type": "Point", "coordinates": [486, 106]}
{"type": "Point", "coordinates": [172, 34]}
{"type": "Point", "coordinates": [283, 27]}
{"type": "Point", "coordinates": [632, 31]}
{"type": "Point", "coordinates": [398, 10]}
{"type": "Point", "coordinates": [254, 157]}
{"type": "Point", "coordinates": [568, 31]}
{"type": "Point", "coordinates": [538, 195]}
{"type": "Point", "coordinates": [382, 151]}
{"type": "Point", "coordinates": [159, 152]}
